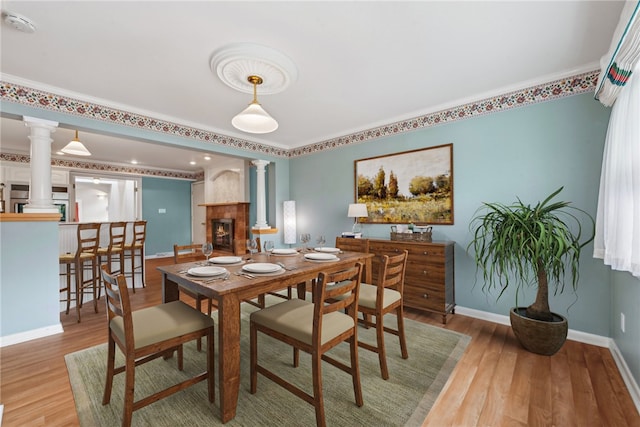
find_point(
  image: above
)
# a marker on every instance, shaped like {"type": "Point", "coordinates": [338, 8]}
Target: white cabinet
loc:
{"type": "Point", "coordinates": [22, 174]}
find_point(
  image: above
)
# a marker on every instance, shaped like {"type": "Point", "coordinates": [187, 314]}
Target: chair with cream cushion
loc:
{"type": "Point", "coordinates": [314, 328]}
{"type": "Point", "coordinates": [382, 297]}
{"type": "Point", "coordinates": [146, 334]}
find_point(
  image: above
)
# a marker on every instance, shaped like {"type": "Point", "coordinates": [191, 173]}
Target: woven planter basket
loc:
{"type": "Point", "coordinates": [537, 336]}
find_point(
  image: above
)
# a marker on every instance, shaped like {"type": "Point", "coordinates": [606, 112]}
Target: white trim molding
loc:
{"type": "Point", "coordinates": [31, 335]}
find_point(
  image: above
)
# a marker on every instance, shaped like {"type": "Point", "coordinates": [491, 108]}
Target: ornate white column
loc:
{"type": "Point", "coordinates": [40, 186]}
{"type": "Point", "coordinates": [261, 201]}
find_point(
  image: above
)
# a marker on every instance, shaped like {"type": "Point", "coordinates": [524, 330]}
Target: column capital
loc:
{"type": "Point", "coordinates": [260, 163]}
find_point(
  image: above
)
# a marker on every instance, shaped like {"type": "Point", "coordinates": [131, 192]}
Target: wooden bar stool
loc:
{"type": "Point", "coordinates": [115, 249]}
{"type": "Point", "coordinates": [135, 249]}
{"type": "Point", "coordinates": [88, 236]}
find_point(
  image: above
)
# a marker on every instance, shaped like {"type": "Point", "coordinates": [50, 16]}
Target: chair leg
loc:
{"type": "Point", "coordinates": [142, 268]}
{"type": "Point", "coordinates": [95, 283]}
{"type": "Point", "coordinates": [318, 398]}
{"type": "Point", "coordinates": [401, 336]}
{"type": "Point", "coordinates": [355, 371]}
{"type": "Point", "coordinates": [129, 384]}
{"type": "Point", "coordinates": [69, 290]}
{"type": "Point", "coordinates": [79, 291]}
{"type": "Point", "coordinates": [382, 354]}
{"type": "Point", "coordinates": [108, 385]}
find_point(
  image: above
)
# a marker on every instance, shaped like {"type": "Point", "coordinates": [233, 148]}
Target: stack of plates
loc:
{"type": "Point", "coordinates": [320, 257]}
{"type": "Point", "coordinates": [261, 268]}
{"type": "Point", "coordinates": [327, 250]}
{"type": "Point", "coordinates": [207, 271]}
{"type": "Point", "coordinates": [284, 252]}
{"type": "Point", "coordinates": [225, 260]}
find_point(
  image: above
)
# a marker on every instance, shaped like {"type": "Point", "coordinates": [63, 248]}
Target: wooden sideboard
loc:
{"type": "Point", "coordinates": [429, 279]}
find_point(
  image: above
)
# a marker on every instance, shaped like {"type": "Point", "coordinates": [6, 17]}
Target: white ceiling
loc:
{"type": "Point", "coordinates": [360, 64]}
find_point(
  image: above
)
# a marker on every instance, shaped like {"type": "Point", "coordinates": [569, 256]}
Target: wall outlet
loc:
{"type": "Point", "coordinates": [162, 210]}
{"type": "Point", "coordinates": [622, 322]}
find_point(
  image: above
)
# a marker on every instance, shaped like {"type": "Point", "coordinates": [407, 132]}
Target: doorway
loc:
{"type": "Point", "coordinates": [105, 198]}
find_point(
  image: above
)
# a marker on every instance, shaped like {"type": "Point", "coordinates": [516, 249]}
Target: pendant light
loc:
{"type": "Point", "coordinates": [254, 119]}
{"type": "Point", "coordinates": [76, 148]}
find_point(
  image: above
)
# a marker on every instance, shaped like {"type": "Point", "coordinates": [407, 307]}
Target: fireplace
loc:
{"type": "Point", "coordinates": [222, 230]}
{"type": "Point", "coordinates": [237, 215]}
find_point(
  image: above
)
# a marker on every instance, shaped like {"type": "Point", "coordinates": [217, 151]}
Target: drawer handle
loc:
{"type": "Point", "coordinates": [425, 296]}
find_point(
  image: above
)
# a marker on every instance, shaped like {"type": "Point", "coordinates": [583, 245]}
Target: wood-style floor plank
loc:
{"type": "Point", "coordinates": [496, 383]}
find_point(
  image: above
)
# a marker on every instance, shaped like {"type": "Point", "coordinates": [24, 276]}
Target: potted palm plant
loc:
{"type": "Point", "coordinates": [522, 245]}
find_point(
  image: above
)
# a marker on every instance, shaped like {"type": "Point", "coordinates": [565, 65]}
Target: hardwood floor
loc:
{"type": "Point", "coordinates": [496, 383]}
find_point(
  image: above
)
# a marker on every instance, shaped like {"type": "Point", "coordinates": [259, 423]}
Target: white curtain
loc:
{"type": "Point", "coordinates": [617, 239]}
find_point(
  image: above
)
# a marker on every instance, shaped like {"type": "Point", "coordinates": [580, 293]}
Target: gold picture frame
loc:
{"type": "Point", "coordinates": [411, 187]}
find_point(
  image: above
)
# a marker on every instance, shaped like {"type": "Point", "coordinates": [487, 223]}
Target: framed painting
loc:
{"type": "Point", "coordinates": [409, 187]}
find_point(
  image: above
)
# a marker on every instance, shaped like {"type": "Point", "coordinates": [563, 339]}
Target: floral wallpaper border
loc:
{"type": "Point", "coordinates": [9, 92]}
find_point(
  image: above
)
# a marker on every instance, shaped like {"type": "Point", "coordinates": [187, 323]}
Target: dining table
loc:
{"type": "Point", "coordinates": [230, 290]}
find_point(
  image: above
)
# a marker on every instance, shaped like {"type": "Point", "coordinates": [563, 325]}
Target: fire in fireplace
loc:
{"type": "Point", "coordinates": [222, 230]}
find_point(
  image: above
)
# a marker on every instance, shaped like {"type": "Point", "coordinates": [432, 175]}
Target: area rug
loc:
{"type": "Point", "coordinates": [403, 400]}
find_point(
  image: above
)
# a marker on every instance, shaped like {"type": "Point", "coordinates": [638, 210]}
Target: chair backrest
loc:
{"type": "Point", "coordinates": [356, 245]}
{"type": "Point", "coordinates": [118, 304]}
{"type": "Point", "coordinates": [88, 236]}
{"type": "Point", "coordinates": [182, 252]}
{"type": "Point", "coordinates": [390, 272]}
{"type": "Point", "coordinates": [139, 232]}
{"type": "Point", "coordinates": [117, 235]}
{"type": "Point", "coordinates": [332, 285]}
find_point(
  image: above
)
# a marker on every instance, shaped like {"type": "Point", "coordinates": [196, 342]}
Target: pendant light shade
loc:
{"type": "Point", "coordinates": [76, 148]}
{"type": "Point", "coordinates": [254, 119]}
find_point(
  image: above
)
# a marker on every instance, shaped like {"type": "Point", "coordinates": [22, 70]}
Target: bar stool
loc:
{"type": "Point", "coordinates": [88, 237]}
{"type": "Point", "coordinates": [136, 249]}
{"type": "Point", "coordinates": [115, 248]}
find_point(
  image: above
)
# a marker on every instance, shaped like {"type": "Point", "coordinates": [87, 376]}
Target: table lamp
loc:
{"type": "Point", "coordinates": [357, 210]}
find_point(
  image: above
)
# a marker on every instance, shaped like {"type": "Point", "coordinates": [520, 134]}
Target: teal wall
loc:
{"type": "Point", "coordinates": [166, 229]}
{"type": "Point", "coordinates": [625, 295]}
{"type": "Point", "coordinates": [29, 280]}
{"type": "Point", "coordinates": [525, 152]}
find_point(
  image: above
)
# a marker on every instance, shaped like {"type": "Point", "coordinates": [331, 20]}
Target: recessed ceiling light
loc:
{"type": "Point", "coordinates": [207, 157]}
{"type": "Point", "coordinates": [192, 162]}
{"type": "Point", "coordinates": [134, 162]}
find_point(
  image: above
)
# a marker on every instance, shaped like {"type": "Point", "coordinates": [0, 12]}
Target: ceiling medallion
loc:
{"type": "Point", "coordinates": [234, 63]}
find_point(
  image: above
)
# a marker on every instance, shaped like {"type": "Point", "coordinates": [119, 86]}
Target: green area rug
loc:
{"type": "Point", "coordinates": [404, 399]}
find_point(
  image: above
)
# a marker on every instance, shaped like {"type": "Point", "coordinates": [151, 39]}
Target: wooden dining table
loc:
{"type": "Point", "coordinates": [231, 292]}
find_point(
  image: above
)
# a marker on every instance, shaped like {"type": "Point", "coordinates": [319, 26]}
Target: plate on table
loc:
{"type": "Point", "coordinates": [225, 259]}
{"type": "Point", "coordinates": [206, 271]}
{"type": "Point", "coordinates": [327, 250]}
{"type": "Point", "coordinates": [261, 267]}
{"type": "Point", "coordinates": [321, 257]}
{"type": "Point", "coordinates": [284, 252]}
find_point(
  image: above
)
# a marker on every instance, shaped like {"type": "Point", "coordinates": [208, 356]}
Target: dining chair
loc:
{"type": "Point", "coordinates": [356, 245]}
{"type": "Point", "coordinates": [314, 328]}
{"type": "Point", "coordinates": [187, 253]}
{"type": "Point", "coordinates": [86, 255]}
{"type": "Point", "coordinates": [134, 250]}
{"type": "Point", "coordinates": [382, 297]}
{"type": "Point", "coordinates": [147, 334]}
{"type": "Point", "coordinates": [114, 248]}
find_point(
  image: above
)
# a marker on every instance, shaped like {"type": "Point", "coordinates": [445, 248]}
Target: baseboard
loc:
{"type": "Point", "coordinates": [628, 378]}
{"type": "Point", "coordinates": [31, 335]}
{"type": "Point", "coordinates": [598, 340]}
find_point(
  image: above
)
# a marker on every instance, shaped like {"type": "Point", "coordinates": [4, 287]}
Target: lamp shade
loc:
{"type": "Point", "coordinates": [76, 148]}
{"type": "Point", "coordinates": [357, 210]}
{"type": "Point", "coordinates": [289, 215]}
{"type": "Point", "coordinates": [254, 119]}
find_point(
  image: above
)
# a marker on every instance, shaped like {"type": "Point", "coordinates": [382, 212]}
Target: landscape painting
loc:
{"type": "Point", "coordinates": [412, 187]}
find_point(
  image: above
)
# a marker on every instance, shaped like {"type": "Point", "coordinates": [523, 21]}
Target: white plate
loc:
{"type": "Point", "coordinates": [261, 267]}
{"type": "Point", "coordinates": [328, 250]}
{"type": "Point", "coordinates": [206, 271]}
{"type": "Point", "coordinates": [225, 259]}
{"type": "Point", "coordinates": [321, 257]}
{"type": "Point", "coordinates": [284, 252]}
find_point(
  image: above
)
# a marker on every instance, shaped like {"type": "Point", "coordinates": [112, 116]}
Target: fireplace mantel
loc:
{"type": "Point", "coordinates": [239, 212]}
